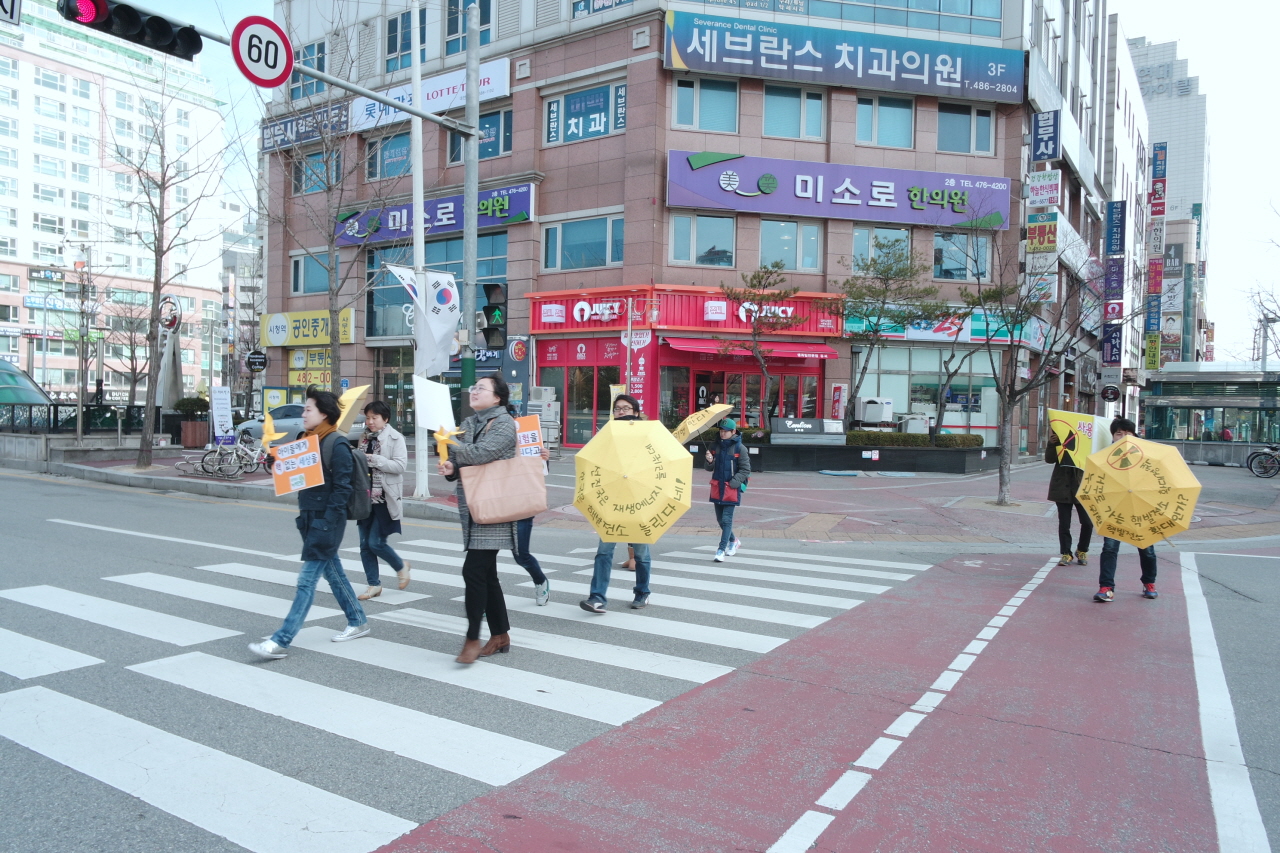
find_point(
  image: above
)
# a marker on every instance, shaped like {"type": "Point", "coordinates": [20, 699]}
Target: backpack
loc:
{"type": "Point", "coordinates": [359, 503]}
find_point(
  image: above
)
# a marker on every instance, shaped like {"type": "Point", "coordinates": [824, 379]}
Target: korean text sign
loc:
{"type": "Point", "coordinates": [439, 93]}
{"type": "Point", "coordinates": [1042, 232]}
{"type": "Point", "coordinates": [1046, 136]}
{"type": "Point", "coordinates": [297, 466]}
{"type": "Point", "coordinates": [1115, 227]}
{"type": "Point", "coordinates": [831, 57]}
{"type": "Point", "coordinates": [501, 206]}
{"type": "Point", "coordinates": [1044, 189]}
{"type": "Point", "coordinates": [307, 127]}
{"type": "Point", "coordinates": [835, 190]}
{"type": "Point", "coordinates": [529, 436]}
{"type": "Point", "coordinates": [297, 328]}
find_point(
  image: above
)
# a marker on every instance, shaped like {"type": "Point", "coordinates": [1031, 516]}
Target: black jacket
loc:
{"type": "Point", "coordinates": [1065, 481]}
{"type": "Point", "coordinates": [322, 518]}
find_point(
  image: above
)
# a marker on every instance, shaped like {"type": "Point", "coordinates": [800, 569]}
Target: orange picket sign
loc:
{"type": "Point", "coordinates": [297, 466]}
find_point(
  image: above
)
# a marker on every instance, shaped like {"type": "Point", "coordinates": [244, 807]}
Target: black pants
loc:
{"type": "Point", "coordinates": [1064, 528]}
{"type": "Point", "coordinates": [484, 594]}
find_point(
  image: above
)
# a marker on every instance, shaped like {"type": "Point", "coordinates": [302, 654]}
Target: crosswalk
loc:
{"type": "Point", "coordinates": [393, 706]}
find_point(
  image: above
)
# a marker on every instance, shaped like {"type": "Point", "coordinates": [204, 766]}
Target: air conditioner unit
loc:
{"type": "Point", "coordinates": [873, 409]}
{"type": "Point", "coordinates": [542, 392]}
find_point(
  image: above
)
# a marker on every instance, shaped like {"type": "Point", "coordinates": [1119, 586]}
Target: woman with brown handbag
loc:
{"type": "Point", "coordinates": [488, 435]}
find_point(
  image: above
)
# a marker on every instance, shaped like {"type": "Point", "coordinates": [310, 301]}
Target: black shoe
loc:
{"type": "Point", "coordinates": [592, 605]}
{"type": "Point", "coordinates": [640, 602]}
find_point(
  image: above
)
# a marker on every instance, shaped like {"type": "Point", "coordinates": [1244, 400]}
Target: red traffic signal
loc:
{"type": "Point", "coordinates": [134, 24]}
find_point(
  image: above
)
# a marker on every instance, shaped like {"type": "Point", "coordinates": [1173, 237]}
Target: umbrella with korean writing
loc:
{"type": "Point", "coordinates": [1138, 491]}
{"type": "Point", "coordinates": [634, 481]}
{"type": "Point", "coordinates": [700, 420]}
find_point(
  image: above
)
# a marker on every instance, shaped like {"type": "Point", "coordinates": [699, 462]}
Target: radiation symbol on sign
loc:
{"type": "Point", "coordinates": [1125, 456]}
{"type": "Point", "coordinates": [1068, 445]}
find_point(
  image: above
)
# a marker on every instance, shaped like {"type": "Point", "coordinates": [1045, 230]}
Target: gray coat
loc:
{"type": "Point", "coordinates": [476, 446]}
{"type": "Point", "coordinates": [392, 461]}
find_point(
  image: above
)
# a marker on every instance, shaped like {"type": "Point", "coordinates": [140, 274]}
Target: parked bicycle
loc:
{"type": "Point", "coordinates": [1265, 463]}
{"type": "Point", "coordinates": [244, 457]}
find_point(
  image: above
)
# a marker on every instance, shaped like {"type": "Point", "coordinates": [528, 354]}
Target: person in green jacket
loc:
{"type": "Point", "coordinates": [1063, 486]}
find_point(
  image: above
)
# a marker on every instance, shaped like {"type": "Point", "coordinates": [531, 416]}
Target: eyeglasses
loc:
{"type": "Point", "coordinates": [476, 389]}
{"type": "Point", "coordinates": [622, 410]}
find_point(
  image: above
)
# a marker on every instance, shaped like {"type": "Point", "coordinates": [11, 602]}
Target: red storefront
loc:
{"type": "Point", "coordinates": [683, 359]}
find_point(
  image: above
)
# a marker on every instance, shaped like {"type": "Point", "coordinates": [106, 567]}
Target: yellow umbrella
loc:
{"type": "Point", "coordinates": [634, 481]}
{"type": "Point", "coordinates": [1138, 491]}
{"type": "Point", "coordinates": [347, 407]}
{"type": "Point", "coordinates": [700, 420]}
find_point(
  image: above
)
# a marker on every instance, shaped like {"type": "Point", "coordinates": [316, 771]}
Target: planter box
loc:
{"type": "Point", "coordinates": [195, 434]}
{"type": "Point", "coordinates": [937, 460]}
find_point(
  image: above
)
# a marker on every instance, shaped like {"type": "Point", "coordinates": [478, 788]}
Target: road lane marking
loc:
{"type": "Point", "coordinates": [850, 561]}
{"type": "Point", "coordinates": [804, 567]}
{"type": "Point", "coordinates": [169, 538]}
{"type": "Point", "coordinates": [280, 577]}
{"type": "Point", "coordinates": [121, 617]}
{"type": "Point", "coordinates": [250, 602]}
{"type": "Point", "coordinates": [256, 808]}
{"type": "Point", "coordinates": [475, 753]}
{"type": "Point", "coordinates": [874, 756]}
{"type": "Point", "coordinates": [803, 833]}
{"type": "Point", "coordinates": [531, 688]}
{"type": "Point", "coordinates": [770, 577]}
{"type": "Point", "coordinates": [720, 608]}
{"type": "Point", "coordinates": [905, 724]}
{"type": "Point", "coordinates": [844, 790]}
{"type": "Point", "coordinates": [542, 558]}
{"type": "Point", "coordinates": [26, 657]}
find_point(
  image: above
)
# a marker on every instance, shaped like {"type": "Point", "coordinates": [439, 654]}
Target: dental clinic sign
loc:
{"type": "Point", "coordinates": [835, 191]}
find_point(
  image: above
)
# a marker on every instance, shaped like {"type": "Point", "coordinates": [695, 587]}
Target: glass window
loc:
{"type": "Point", "coordinates": [960, 257]}
{"type": "Point", "coordinates": [9, 283]}
{"type": "Point", "coordinates": [388, 158]}
{"type": "Point", "coordinates": [867, 240]}
{"type": "Point", "coordinates": [8, 156]}
{"type": "Point", "coordinates": [886, 121]}
{"type": "Point", "coordinates": [495, 137]}
{"type": "Point", "coordinates": [79, 228]}
{"type": "Point", "coordinates": [9, 187]}
{"type": "Point", "coordinates": [82, 173]}
{"type": "Point", "coordinates": [8, 67]}
{"type": "Point", "coordinates": [387, 299]}
{"type": "Point", "coordinates": [8, 247]}
{"type": "Point", "coordinates": [8, 97]}
{"type": "Point", "coordinates": [184, 116]}
{"type": "Point", "coordinates": [81, 88]}
{"type": "Point", "coordinates": [9, 127]}
{"type": "Point", "coordinates": [309, 56]}
{"type": "Point", "coordinates": [583, 244]}
{"type": "Point", "coordinates": [309, 273]}
{"type": "Point", "coordinates": [587, 114]}
{"type": "Point", "coordinates": [309, 173]}
{"type": "Point", "coordinates": [400, 40]}
{"type": "Point", "coordinates": [50, 79]}
{"type": "Point", "coordinates": [674, 407]}
{"type": "Point", "coordinates": [9, 216]}
{"type": "Point", "coordinates": [795, 244]}
{"type": "Point", "coordinates": [965, 129]}
{"type": "Point", "coordinates": [793, 113]}
{"type": "Point", "coordinates": [81, 144]}
{"type": "Point", "coordinates": [582, 8]}
{"type": "Point", "coordinates": [50, 137]}
{"type": "Point", "coordinates": [124, 101]}
{"type": "Point", "coordinates": [47, 223]}
{"type": "Point", "coordinates": [47, 252]}
{"type": "Point", "coordinates": [82, 117]}
{"type": "Point", "coordinates": [80, 201]}
{"type": "Point", "coordinates": [456, 26]}
{"type": "Point", "coordinates": [702, 240]}
{"type": "Point", "coordinates": [49, 108]}
{"type": "Point", "coordinates": [707, 105]}
{"type": "Point", "coordinates": [51, 166]}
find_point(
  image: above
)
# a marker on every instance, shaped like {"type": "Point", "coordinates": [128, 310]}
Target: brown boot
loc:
{"type": "Point", "coordinates": [497, 643]}
{"type": "Point", "coordinates": [470, 652]}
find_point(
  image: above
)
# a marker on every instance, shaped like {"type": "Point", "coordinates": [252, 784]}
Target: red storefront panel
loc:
{"type": "Point", "coordinates": [778, 350]}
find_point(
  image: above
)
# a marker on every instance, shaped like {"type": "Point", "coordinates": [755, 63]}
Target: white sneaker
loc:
{"type": "Point", "coordinates": [542, 593]}
{"type": "Point", "coordinates": [351, 632]}
{"type": "Point", "coordinates": [720, 556]}
{"type": "Point", "coordinates": [268, 649]}
{"type": "Point", "coordinates": [733, 547]}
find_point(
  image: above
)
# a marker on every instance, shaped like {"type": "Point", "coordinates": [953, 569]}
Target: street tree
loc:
{"type": "Point", "coordinates": [127, 314]}
{"type": "Point", "coordinates": [762, 294]}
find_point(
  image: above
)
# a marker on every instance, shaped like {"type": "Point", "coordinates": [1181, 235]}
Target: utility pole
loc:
{"type": "Point", "coordinates": [83, 273]}
{"type": "Point", "coordinates": [470, 201]}
{"type": "Point", "coordinates": [421, 433]}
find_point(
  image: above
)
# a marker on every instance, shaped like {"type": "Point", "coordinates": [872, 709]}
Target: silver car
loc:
{"type": "Point", "coordinates": [288, 420]}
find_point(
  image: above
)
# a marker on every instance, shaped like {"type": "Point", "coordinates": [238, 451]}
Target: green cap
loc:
{"type": "Point", "coordinates": [728, 423]}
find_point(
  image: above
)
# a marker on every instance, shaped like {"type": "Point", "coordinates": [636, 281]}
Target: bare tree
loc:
{"type": "Point", "coordinates": [761, 300]}
{"type": "Point", "coordinates": [127, 315]}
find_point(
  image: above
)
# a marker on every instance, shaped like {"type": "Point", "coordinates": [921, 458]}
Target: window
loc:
{"type": "Point", "coordinates": [146, 267]}
{"type": "Point", "coordinates": [962, 257]}
{"type": "Point", "coordinates": [47, 252]}
{"type": "Point", "coordinates": [81, 88]}
{"type": "Point", "coordinates": [495, 137]}
{"type": "Point", "coordinates": [8, 247]}
{"type": "Point", "coordinates": [8, 187]}
{"type": "Point", "coordinates": [886, 121]}
{"type": "Point", "coordinates": [79, 228]}
{"type": "Point", "coordinates": [82, 173]}
{"type": "Point", "coordinates": [388, 158]}
{"type": "Point", "coordinates": [48, 194]}
{"type": "Point", "coordinates": [122, 236]}
{"type": "Point", "coordinates": [50, 80]}
{"type": "Point", "coordinates": [8, 156]}
{"type": "Point", "coordinates": [80, 201]}
{"type": "Point", "coordinates": [9, 284]}
{"type": "Point", "coordinates": [867, 241]}
{"type": "Point", "coordinates": [181, 142]}
{"type": "Point", "coordinates": [964, 129]}
{"type": "Point", "coordinates": [9, 127]}
{"type": "Point", "coordinates": [400, 38]}
{"type": "Point", "coordinates": [583, 244]}
{"type": "Point", "coordinates": [8, 97]}
{"type": "Point", "coordinates": [386, 298]}
{"type": "Point", "coordinates": [114, 261]}
{"type": "Point", "coordinates": [309, 56]}
{"type": "Point", "coordinates": [793, 113]}
{"type": "Point", "coordinates": [81, 144]}
{"type": "Point", "coordinates": [123, 154]}
{"type": "Point", "coordinates": [52, 138]}
{"type": "Point", "coordinates": [707, 105]}
{"type": "Point", "coordinates": [180, 196]}
{"type": "Point", "coordinates": [794, 243]}
{"type": "Point", "coordinates": [124, 183]}
{"type": "Point", "coordinates": [182, 172]}
{"type": "Point", "coordinates": [151, 109]}
{"type": "Point", "coordinates": [81, 117]}
{"type": "Point", "coordinates": [309, 173]}
{"type": "Point", "coordinates": [49, 108]}
{"type": "Point", "coordinates": [184, 116]}
{"type": "Point", "coordinates": [310, 274]}
{"type": "Point", "coordinates": [456, 26]}
{"type": "Point", "coordinates": [123, 129]}
{"type": "Point", "coordinates": [8, 67]}
{"type": "Point", "coordinates": [47, 223]}
{"type": "Point", "coordinates": [9, 216]}
{"type": "Point", "coordinates": [51, 166]}
{"type": "Point", "coordinates": [583, 115]}
{"type": "Point", "coordinates": [702, 240]}
{"type": "Point", "coordinates": [124, 101]}
{"type": "Point", "coordinates": [152, 136]}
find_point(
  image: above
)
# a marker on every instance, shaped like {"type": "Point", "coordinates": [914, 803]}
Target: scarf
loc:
{"type": "Point", "coordinates": [321, 431]}
{"type": "Point", "coordinates": [371, 443]}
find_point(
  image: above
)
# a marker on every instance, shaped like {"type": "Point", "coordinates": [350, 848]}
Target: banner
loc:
{"type": "Point", "coordinates": [1046, 136]}
{"type": "Point", "coordinates": [1159, 159]}
{"type": "Point", "coordinates": [1158, 187]}
{"type": "Point", "coordinates": [1044, 189]}
{"type": "Point", "coordinates": [1151, 354]}
{"type": "Point", "coordinates": [1078, 436]}
{"type": "Point", "coordinates": [1155, 275]}
{"type": "Point", "coordinates": [1112, 343]}
{"type": "Point", "coordinates": [1113, 282]}
{"type": "Point", "coordinates": [529, 436]}
{"type": "Point", "coordinates": [439, 93]}
{"type": "Point", "coordinates": [1115, 227]}
{"type": "Point", "coordinates": [224, 430]}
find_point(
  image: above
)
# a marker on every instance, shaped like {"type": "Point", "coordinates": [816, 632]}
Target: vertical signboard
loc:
{"type": "Point", "coordinates": [1042, 232]}
{"type": "Point", "coordinates": [1112, 339]}
{"type": "Point", "coordinates": [1046, 136]}
{"type": "Point", "coordinates": [1159, 159]}
{"type": "Point", "coordinates": [1115, 227]}
{"type": "Point", "coordinates": [1158, 189]}
{"type": "Point", "coordinates": [1197, 213]}
{"type": "Point", "coordinates": [1044, 189]}
{"type": "Point", "coordinates": [1152, 353]}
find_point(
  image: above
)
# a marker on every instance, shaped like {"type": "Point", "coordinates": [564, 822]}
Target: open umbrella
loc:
{"type": "Point", "coordinates": [634, 481]}
{"type": "Point", "coordinates": [1138, 491]}
{"type": "Point", "coordinates": [700, 420]}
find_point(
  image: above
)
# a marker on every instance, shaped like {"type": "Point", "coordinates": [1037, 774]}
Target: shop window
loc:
{"type": "Point", "coordinates": [310, 274]}
{"type": "Point", "coordinates": [674, 407]}
{"type": "Point", "coordinates": [867, 241]}
{"type": "Point", "coordinates": [965, 129]}
{"type": "Point", "coordinates": [593, 112]}
{"type": "Point", "coordinates": [886, 121]}
{"type": "Point", "coordinates": [794, 244]}
{"type": "Point", "coordinates": [495, 137]}
{"type": "Point", "coordinates": [387, 158]}
{"type": "Point", "coordinates": [456, 25]}
{"type": "Point", "coordinates": [583, 244]}
{"type": "Point", "coordinates": [308, 56]}
{"type": "Point", "coordinates": [961, 257]}
{"type": "Point", "coordinates": [702, 240]}
{"type": "Point", "coordinates": [400, 40]}
{"type": "Point", "coordinates": [793, 113]}
{"type": "Point", "coordinates": [587, 401]}
{"type": "Point", "coordinates": [702, 104]}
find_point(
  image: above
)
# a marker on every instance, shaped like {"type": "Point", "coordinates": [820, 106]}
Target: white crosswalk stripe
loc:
{"type": "Point", "coordinates": [804, 567]}
{"type": "Point", "coordinates": [279, 577]}
{"type": "Point", "coordinates": [767, 593]}
{"type": "Point", "coordinates": [250, 602]}
{"type": "Point", "coordinates": [848, 561]}
{"type": "Point", "coordinates": [771, 577]}
{"type": "Point", "coordinates": [122, 617]}
{"type": "Point", "coordinates": [26, 657]}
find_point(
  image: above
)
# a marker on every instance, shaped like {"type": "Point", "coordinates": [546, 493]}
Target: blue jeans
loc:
{"type": "Point", "coordinates": [526, 560]}
{"type": "Point", "coordinates": [372, 546]}
{"type": "Point", "coordinates": [306, 593]}
{"type": "Point", "coordinates": [724, 518]}
{"type": "Point", "coordinates": [604, 567]}
{"type": "Point", "coordinates": [1107, 565]}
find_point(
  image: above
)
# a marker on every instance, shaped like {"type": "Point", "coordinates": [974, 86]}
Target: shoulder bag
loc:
{"type": "Point", "coordinates": [505, 489]}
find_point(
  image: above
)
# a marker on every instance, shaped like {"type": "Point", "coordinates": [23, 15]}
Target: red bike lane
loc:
{"type": "Point", "coordinates": [1064, 725]}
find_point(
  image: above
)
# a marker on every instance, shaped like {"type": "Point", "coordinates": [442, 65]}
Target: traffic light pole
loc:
{"type": "Point", "coordinates": [470, 202]}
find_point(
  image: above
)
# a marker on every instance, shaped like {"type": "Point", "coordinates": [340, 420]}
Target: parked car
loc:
{"type": "Point", "coordinates": [288, 420]}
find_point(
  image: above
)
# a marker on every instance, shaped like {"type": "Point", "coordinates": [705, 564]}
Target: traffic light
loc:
{"type": "Point", "coordinates": [494, 329]}
{"type": "Point", "coordinates": [134, 24]}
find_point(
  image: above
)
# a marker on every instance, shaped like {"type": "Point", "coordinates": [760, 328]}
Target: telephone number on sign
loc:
{"type": "Point", "coordinates": [992, 87]}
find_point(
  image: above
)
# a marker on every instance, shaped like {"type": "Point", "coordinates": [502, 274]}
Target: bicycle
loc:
{"type": "Point", "coordinates": [243, 457]}
{"type": "Point", "coordinates": [1264, 463]}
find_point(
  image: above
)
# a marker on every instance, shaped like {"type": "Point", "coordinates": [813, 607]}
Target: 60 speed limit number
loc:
{"type": "Point", "coordinates": [262, 51]}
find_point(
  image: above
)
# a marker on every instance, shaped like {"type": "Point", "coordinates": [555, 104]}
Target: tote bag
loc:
{"type": "Point", "coordinates": [505, 490]}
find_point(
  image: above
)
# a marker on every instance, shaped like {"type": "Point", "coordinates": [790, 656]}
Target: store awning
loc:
{"type": "Point", "coordinates": [778, 350]}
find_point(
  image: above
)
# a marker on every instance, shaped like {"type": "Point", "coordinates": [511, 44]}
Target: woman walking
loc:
{"type": "Point", "coordinates": [385, 450]}
{"type": "Point", "coordinates": [488, 435]}
{"type": "Point", "coordinates": [1063, 485]}
{"type": "Point", "coordinates": [730, 466]}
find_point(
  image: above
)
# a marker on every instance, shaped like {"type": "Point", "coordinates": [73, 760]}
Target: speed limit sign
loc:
{"type": "Point", "coordinates": [262, 51]}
